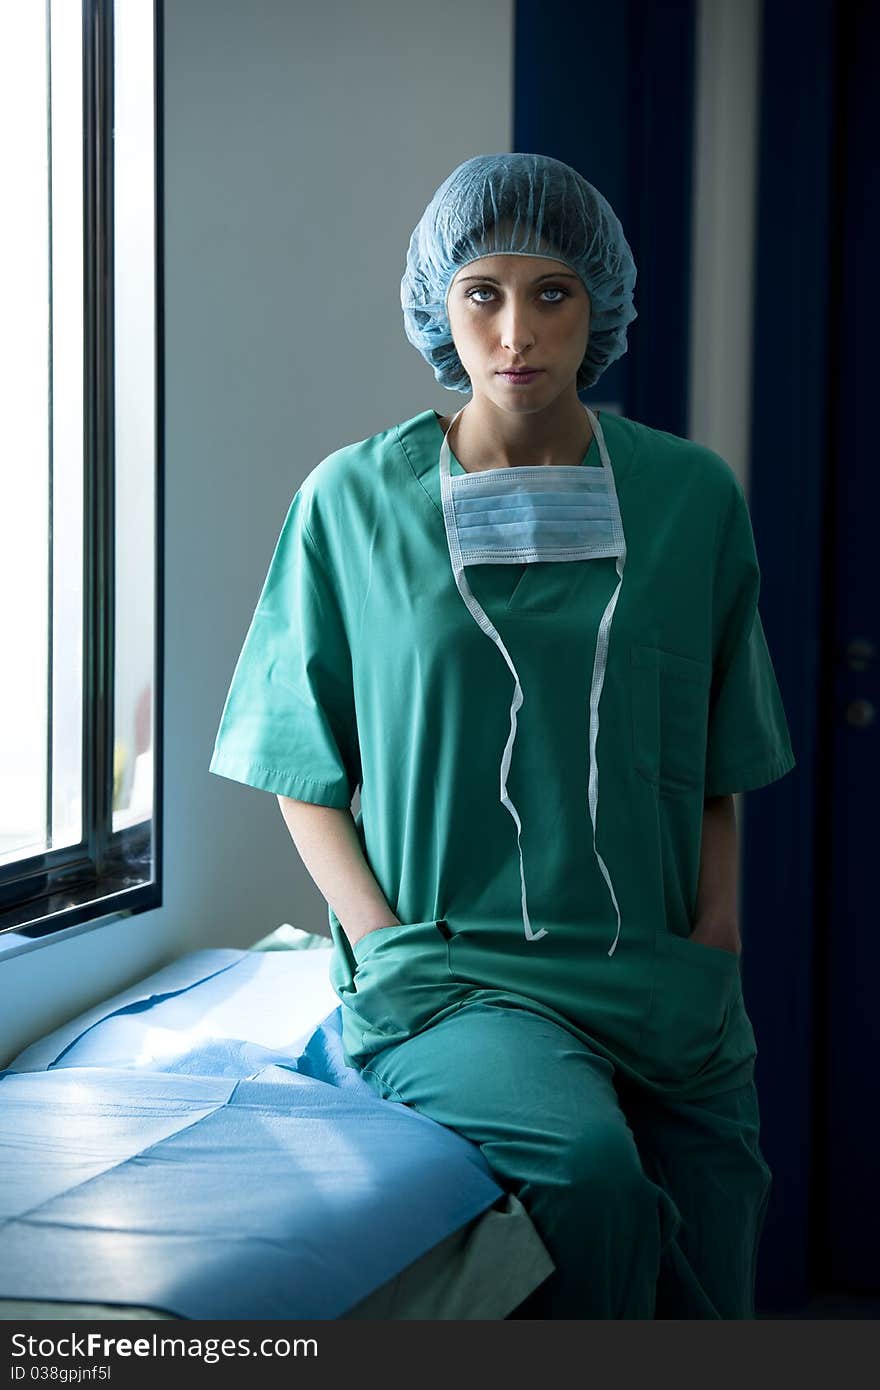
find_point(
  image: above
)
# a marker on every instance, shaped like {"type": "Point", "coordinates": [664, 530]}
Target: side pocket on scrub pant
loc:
{"type": "Point", "coordinates": [401, 983]}
{"type": "Point", "coordinates": [697, 1012]}
{"type": "Point", "coordinates": [670, 719]}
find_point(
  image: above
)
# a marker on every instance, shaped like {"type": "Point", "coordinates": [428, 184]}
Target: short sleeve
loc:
{"type": "Point", "coordinates": [288, 725]}
{"type": "Point", "coordinates": [748, 738]}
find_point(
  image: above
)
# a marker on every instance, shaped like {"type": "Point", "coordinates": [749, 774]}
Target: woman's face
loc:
{"type": "Point", "coordinates": [519, 311]}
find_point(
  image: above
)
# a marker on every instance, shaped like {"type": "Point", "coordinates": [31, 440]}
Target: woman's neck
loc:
{"type": "Point", "coordinates": [496, 439]}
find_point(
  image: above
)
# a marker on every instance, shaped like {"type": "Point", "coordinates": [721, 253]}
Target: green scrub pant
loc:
{"type": "Point", "coordinates": [650, 1206]}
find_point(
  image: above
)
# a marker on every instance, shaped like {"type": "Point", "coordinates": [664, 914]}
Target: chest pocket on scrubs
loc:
{"type": "Point", "coordinates": [670, 718]}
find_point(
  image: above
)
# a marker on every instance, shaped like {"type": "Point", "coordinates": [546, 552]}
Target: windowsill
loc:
{"type": "Point", "coordinates": [13, 943]}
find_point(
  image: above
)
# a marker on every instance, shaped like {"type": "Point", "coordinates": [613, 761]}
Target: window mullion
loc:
{"type": "Point", "coordinates": [50, 626]}
{"type": "Point", "coordinates": [99, 476]}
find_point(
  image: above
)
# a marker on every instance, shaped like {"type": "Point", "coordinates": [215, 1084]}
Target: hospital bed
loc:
{"type": "Point", "coordinates": [197, 1147]}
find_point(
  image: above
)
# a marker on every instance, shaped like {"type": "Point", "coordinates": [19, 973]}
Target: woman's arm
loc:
{"type": "Point", "coordinates": [328, 845]}
{"type": "Point", "coordinates": [717, 916]}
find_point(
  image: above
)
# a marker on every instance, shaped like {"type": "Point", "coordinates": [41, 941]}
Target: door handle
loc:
{"type": "Point", "coordinates": [861, 713]}
{"type": "Point", "coordinates": [861, 653]}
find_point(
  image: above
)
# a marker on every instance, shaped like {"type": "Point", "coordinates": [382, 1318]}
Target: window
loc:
{"type": "Point", "coordinates": [81, 466]}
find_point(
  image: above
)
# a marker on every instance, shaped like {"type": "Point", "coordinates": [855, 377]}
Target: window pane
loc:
{"type": "Point", "coordinates": [41, 434]}
{"type": "Point", "coordinates": [135, 410]}
{"type": "Point", "coordinates": [67, 422]}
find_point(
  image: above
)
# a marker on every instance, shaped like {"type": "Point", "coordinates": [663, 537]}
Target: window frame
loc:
{"type": "Point", "coordinates": [107, 875]}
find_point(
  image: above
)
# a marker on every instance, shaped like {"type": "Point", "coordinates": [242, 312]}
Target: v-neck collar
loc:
{"type": "Point", "coordinates": [421, 438]}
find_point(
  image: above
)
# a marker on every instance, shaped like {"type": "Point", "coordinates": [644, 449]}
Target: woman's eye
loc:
{"type": "Point", "coordinates": [548, 289]}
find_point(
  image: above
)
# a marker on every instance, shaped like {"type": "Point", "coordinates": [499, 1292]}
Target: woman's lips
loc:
{"type": "Point", "coordinates": [521, 378]}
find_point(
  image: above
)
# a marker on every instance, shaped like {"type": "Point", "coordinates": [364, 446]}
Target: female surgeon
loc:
{"type": "Point", "coordinates": [530, 636]}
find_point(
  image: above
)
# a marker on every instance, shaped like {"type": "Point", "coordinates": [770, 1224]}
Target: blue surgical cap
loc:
{"type": "Point", "coordinates": [517, 204]}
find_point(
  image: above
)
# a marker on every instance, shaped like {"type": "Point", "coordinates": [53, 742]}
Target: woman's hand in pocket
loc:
{"type": "Point", "coordinates": [722, 935]}
{"type": "Point", "coordinates": [355, 934]}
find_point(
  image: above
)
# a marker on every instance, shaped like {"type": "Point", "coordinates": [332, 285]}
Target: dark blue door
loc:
{"type": "Point", "coordinates": [850, 943]}
{"type": "Point", "coordinates": [812, 842]}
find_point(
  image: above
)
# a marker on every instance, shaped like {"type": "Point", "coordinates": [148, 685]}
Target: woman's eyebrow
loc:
{"type": "Point", "coordinates": [553, 275]}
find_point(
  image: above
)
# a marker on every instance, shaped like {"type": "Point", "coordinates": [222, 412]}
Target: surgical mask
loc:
{"type": "Point", "coordinates": [502, 516]}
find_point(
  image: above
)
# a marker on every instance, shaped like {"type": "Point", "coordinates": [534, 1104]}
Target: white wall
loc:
{"type": "Point", "coordinates": [302, 143]}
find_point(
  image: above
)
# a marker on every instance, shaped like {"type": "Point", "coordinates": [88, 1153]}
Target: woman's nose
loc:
{"type": "Point", "coordinates": [516, 331]}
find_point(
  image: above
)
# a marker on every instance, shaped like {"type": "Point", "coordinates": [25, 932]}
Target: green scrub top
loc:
{"type": "Point", "coordinates": [362, 667]}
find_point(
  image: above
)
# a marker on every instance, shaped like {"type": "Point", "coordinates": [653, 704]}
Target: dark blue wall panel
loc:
{"type": "Point", "coordinates": [848, 941]}
{"type": "Point", "coordinates": [786, 497]}
{"type": "Point", "coordinates": [609, 90]}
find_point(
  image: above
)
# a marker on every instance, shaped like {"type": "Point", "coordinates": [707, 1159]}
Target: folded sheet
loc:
{"type": "Point", "coordinates": [280, 1196]}
{"type": "Point", "coordinates": [198, 1145]}
{"type": "Point", "coordinates": [214, 1012]}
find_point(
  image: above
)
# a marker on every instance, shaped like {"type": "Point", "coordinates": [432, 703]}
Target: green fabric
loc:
{"type": "Point", "coordinates": [363, 667]}
{"type": "Point", "coordinates": [650, 1207]}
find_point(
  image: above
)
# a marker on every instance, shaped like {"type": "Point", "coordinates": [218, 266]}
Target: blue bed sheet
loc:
{"type": "Point", "coordinates": [198, 1145]}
